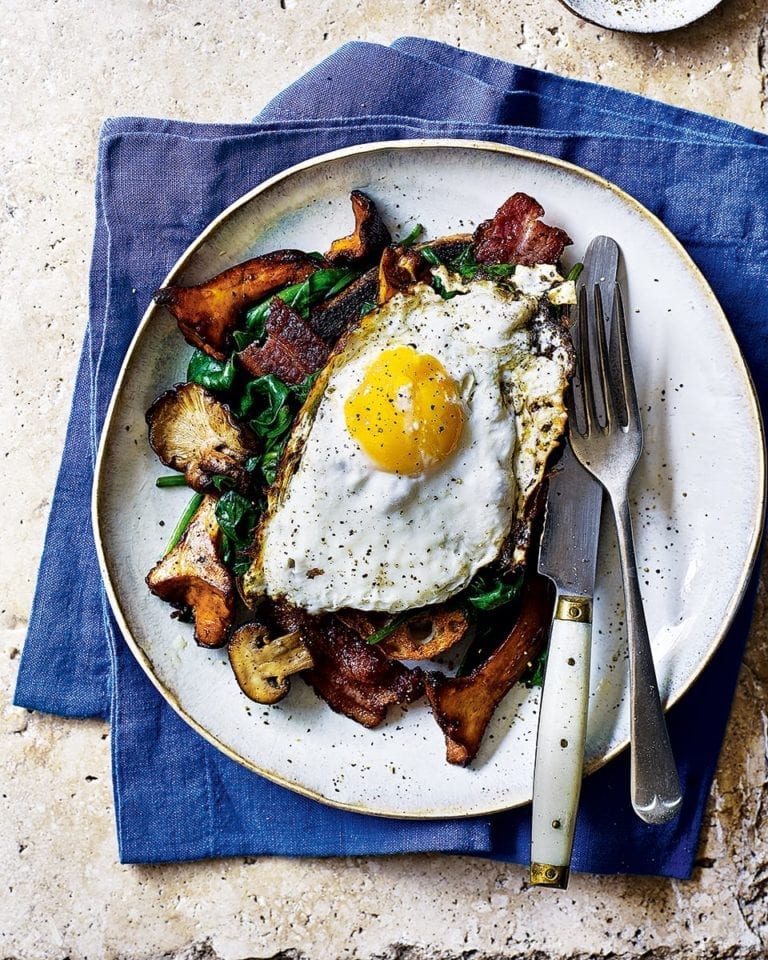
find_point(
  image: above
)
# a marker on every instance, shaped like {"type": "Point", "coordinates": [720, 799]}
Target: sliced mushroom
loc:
{"type": "Point", "coordinates": [262, 665]}
{"type": "Point", "coordinates": [423, 636]}
{"type": "Point", "coordinates": [399, 269]}
{"type": "Point", "coordinates": [370, 236]}
{"type": "Point", "coordinates": [208, 312]}
{"type": "Point", "coordinates": [193, 578]}
{"type": "Point", "coordinates": [463, 706]}
{"type": "Point", "coordinates": [190, 430]}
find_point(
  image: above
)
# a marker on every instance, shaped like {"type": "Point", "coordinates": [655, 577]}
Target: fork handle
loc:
{"type": "Point", "coordinates": [655, 784]}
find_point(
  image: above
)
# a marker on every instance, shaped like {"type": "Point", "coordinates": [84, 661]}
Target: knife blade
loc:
{"type": "Point", "coordinates": [568, 557]}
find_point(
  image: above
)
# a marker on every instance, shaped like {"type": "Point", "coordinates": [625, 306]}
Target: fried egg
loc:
{"type": "Point", "coordinates": [418, 448]}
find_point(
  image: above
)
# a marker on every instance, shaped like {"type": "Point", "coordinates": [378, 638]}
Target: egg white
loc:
{"type": "Point", "coordinates": [340, 532]}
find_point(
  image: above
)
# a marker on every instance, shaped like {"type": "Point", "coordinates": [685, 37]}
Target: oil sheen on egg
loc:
{"type": "Point", "coordinates": [414, 453]}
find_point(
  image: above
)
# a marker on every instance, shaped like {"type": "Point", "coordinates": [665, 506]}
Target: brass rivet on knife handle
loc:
{"type": "Point", "coordinates": [578, 609]}
{"type": "Point", "coordinates": [547, 875]}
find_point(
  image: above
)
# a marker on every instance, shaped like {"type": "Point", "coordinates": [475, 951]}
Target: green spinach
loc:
{"type": "Point", "coordinates": [237, 517]}
{"type": "Point", "coordinates": [211, 373]}
{"type": "Point", "coordinates": [301, 297]}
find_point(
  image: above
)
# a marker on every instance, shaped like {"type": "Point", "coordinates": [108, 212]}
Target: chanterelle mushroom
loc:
{"type": "Point", "coordinates": [190, 430]}
{"type": "Point", "coordinates": [193, 578]}
{"type": "Point", "coordinates": [209, 312]}
{"type": "Point", "coordinates": [262, 664]}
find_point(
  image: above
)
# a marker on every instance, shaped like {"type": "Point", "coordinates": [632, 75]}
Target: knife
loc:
{"type": "Point", "coordinates": [568, 556]}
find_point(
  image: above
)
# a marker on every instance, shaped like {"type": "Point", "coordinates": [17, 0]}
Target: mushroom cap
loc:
{"type": "Point", "coordinates": [262, 664]}
{"type": "Point", "coordinates": [192, 431]}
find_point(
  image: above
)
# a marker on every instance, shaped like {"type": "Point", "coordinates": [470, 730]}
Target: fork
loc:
{"type": "Point", "coordinates": [610, 451]}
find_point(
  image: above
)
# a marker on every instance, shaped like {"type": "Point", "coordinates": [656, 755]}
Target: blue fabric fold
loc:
{"type": "Point", "coordinates": [158, 183]}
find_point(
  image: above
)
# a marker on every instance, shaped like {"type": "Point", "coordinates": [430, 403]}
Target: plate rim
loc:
{"type": "Point", "coordinates": [682, 21]}
{"type": "Point", "coordinates": [100, 471]}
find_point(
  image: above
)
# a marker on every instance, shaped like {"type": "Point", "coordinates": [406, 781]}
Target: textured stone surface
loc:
{"type": "Point", "coordinates": [68, 65]}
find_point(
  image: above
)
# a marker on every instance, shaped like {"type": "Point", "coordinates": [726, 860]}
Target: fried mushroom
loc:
{"type": "Point", "coordinates": [263, 664]}
{"type": "Point", "coordinates": [400, 268]}
{"type": "Point", "coordinates": [193, 578]}
{"type": "Point", "coordinates": [191, 431]}
{"type": "Point", "coordinates": [364, 245]}
{"type": "Point", "coordinates": [423, 636]}
{"type": "Point", "coordinates": [209, 312]}
{"type": "Point", "coordinates": [463, 706]}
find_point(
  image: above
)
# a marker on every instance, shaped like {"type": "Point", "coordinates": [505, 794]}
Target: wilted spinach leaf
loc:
{"type": "Point", "coordinates": [301, 390]}
{"type": "Point", "coordinates": [237, 517]}
{"type": "Point", "coordinates": [439, 287]}
{"type": "Point", "coordinates": [431, 257]}
{"type": "Point", "coordinates": [263, 406]}
{"type": "Point", "coordinates": [256, 320]}
{"type": "Point", "coordinates": [209, 372]}
{"type": "Point", "coordinates": [271, 458]}
{"type": "Point", "coordinates": [497, 271]}
{"type": "Point", "coordinates": [536, 677]}
{"type": "Point", "coordinates": [320, 285]}
{"type": "Point", "coordinates": [486, 593]}
{"type": "Point", "coordinates": [468, 267]}
{"type": "Point", "coordinates": [301, 297]}
{"type": "Point", "coordinates": [269, 406]}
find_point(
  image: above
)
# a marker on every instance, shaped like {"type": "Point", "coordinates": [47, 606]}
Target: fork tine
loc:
{"type": "Point", "coordinates": [629, 393]}
{"type": "Point", "coordinates": [585, 366]}
{"type": "Point", "coordinates": [609, 387]}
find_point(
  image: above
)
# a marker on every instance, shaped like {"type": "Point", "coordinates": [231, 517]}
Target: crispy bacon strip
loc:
{"type": "Point", "coordinates": [517, 235]}
{"type": "Point", "coordinates": [292, 349]}
{"type": "Point", "coordinates": [352, 677]}
{"type": "Point", "coordinates": [463, 706]}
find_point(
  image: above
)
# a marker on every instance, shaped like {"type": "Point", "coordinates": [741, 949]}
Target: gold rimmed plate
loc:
{"type": "Point", "coordinates": [642, 16]}
{"type": "Point", "coordinates": [696, 541]}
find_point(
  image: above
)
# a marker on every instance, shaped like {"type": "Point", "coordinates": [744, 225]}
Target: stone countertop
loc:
{"type": "Point", "coordinates": [69, 64]}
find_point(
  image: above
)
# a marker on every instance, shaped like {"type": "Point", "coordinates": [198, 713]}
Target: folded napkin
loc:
{"type": "Point", "coordinates": [158, 184]}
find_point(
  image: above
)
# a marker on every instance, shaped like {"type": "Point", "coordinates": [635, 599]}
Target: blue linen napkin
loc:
{"type": "Point", "coordinates": [158, 184]}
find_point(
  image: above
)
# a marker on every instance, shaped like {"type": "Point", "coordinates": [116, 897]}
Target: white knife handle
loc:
{"type": "Point", "coordinates": [560, 742]}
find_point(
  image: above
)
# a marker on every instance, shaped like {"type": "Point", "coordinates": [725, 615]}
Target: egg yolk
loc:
{"type": "Point", "coordinates": [407, 414]}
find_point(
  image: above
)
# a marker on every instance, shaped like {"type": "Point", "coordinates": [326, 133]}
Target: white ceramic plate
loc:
{"type": "Point", "coordinates": [642, 16]}
{"type": "Point", "coordinates": [697, 494]}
